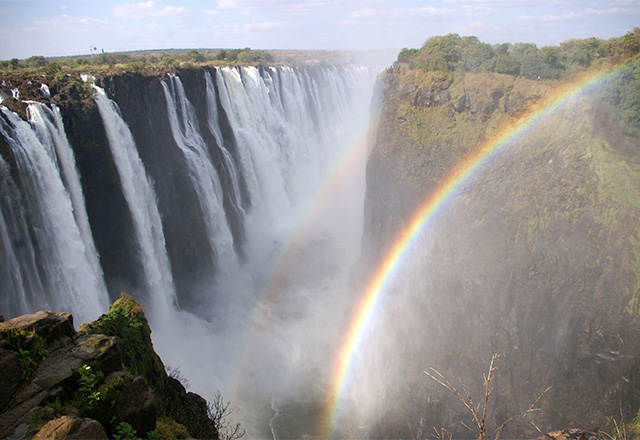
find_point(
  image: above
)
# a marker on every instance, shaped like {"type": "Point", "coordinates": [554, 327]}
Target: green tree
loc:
{"type": "Point", "coordinates": [51, 69]}
{"type": "Point", "coordinates": [407, 55]}
{"type": "Point", "coordinates": [441, 53]}
{"type": "Point", "coordinates": [507, 64]}
{"type": "Point", "coordinates": [36, 61]}
{"type": "Point", "coordinates": [194, 56]}
{"type": "Point", "coordinates": [255, 57]}
{"type": "Point", "coordinates": [477, 57]}
{"type": "Point", "coordinates": [584, 52]}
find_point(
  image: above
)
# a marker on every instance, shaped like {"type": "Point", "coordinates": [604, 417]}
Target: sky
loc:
{"type": "Point", "coordinates": [75, 27]}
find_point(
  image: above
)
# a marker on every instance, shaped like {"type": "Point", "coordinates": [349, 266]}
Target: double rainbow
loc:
{"type": "Point", "coordinates": [397, 252]}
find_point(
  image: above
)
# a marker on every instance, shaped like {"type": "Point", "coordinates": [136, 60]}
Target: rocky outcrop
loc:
{"type": "Point", "coordinates": [71, 428]}
{"type": "Point", "coordinates": [572, 434]}
{"type": "Point", "coordinates": [534, 257]}
{"type": "Point", "coordinates": [59, 383]}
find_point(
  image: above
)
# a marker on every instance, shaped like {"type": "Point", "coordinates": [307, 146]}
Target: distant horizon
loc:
{"type": "Point", "coordinates": [58, 28]}
{"type": "Point", "coordinates": [213, 49]}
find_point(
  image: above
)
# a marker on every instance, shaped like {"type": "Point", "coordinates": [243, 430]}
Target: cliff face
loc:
{"type": "Point", "coordinates": [92, 383]}
{"type": "Point", "coordinates": [535, 257]}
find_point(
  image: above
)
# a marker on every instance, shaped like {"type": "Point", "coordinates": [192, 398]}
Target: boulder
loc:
{"type": "Point", "coordinates": [16, 106]}
{"type": "Point", "coordinates": [10, 376]}
{"type": "Point", "coordinates": [71, 428]}
{"type": "Point", "coordinates": [572, 434]}
{"type": "Point", "coordinates": [135, 404]}
{"type": "Point", "coordinates": [50, 325]}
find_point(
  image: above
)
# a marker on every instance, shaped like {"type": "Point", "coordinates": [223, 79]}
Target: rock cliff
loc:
{"type": "Point", "coordinates": [101, 381]}
{"type": "Point", "coordinates": [535, 256]}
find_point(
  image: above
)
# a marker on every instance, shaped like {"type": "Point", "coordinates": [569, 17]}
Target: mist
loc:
{"type": "Point", "coordinates": [267, 327]}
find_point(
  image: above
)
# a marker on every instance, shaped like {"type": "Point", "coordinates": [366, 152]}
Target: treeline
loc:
{"type": "Point", "coordinates": [453, 53]}
{"type": "Point", "coordinates": [106, 61]}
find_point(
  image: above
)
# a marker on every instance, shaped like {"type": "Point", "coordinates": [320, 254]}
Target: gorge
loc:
{"type": "Point", "coordinates": [233, 204]}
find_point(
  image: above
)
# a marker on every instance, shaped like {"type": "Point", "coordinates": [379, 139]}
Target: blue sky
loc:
{"type": "Point", "coordinates": [71, 27]}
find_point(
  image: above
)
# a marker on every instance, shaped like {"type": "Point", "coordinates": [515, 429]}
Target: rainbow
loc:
{"type": "Point", "coordinates": [397, 252]}
{"type": "Point", "coordinates": [341, 170]}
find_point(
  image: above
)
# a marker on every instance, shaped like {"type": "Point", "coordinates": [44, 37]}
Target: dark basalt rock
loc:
{"type": "Point", "coordinates": [521, 262]}
{"type": "Point", "coordinates": [71, 428]}
{"type": "Point", "coordinates": [51, 402]}
{"type": "Point", "coordinates": [16, 106]}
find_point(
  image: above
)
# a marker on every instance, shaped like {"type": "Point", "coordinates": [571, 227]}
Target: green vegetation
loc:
{"type": "Point", "coordinates": [32, 349]}
{"type": "Point", "coordinates": [169, 429]}
{"type": "Point", "coordinates": [125, 431]}
{"type": "Point", "coordinates": [563, 194]}
{"type": "Point", "coordinates": [453, 53]}
{"type": "Point", "coordinates": [126, 321]}
{"type": "Point", "coordinates": [89, 381]}
{"type": "Point", "coordinates": [150, 63]}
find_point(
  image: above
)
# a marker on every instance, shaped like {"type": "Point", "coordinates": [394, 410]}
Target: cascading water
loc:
{"type": "Point", "coordinates": [50, 130]}
{"type": "Point", "coordinates": [288, 160]}
{"type": "Point", "coordinates": [49, 245]}
{"type": "Point", "coordinates": [143, 205]}
{"type": "Point", "coordinates": [184, 126]}
{"type": "Point", "coordinates": [214, 125]}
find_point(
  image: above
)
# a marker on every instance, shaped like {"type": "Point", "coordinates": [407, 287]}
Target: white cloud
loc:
{"type": "Point", "coordinates": [70, 22]}
{"type": "Point", "coordinates": [360, 13]}
{"type": "Point", "coordinates": [265, 25]}
{"type": "Point", "coordinates": [146, 10]}
{"type": "Point", "coordinates": [548, 18]}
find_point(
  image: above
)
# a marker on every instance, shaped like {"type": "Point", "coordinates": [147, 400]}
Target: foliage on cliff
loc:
{"type": "Point", "coordinates": [105, 381]}
{"type": "Point", "coordinates": [538, 255]}
{"type": "Point", "coordinates": [452, 52]}
{"type": "Point", "coordinates": [127, 323]}
{"type": "Point", "coordinates": [155, 62]}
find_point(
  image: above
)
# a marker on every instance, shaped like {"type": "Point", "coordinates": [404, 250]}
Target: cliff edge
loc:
{"type": "Point", "coordinates": [103, 381]}
{"type": "Point", "coordinates": [534, 255]}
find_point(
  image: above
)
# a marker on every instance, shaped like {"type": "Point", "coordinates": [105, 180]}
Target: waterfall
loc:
{"type": "Point", "coordinates": [267, 165]}
{"type": "Point", "coordinates": [52, 265]}
{"type": "Point", "coordinates": [141, 199]}
{"type": "Point", "coordinates": [49, 127]}
{"type": "Point", "coordinates": [184, 125]}
{"type": "Point", "coordinates": [229, 163]}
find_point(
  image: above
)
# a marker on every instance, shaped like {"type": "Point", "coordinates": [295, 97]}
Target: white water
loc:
{"type": "Point", "coordinates": [69, 280]}
{"type": "Point", "coordinates": [184, 125]}
{"type": "Point", "coordinates": [18, 272]}
{"type": "Point", "coordinates": [143, 205]}
{"type": "Point", "coordinates": [214, 126]}
{"type": "Point", "coordinates": [49, 127]}
{"type": "Point", "coordinates": [270, 342]}
{"type": "Point", "coordinates": [274, 317]}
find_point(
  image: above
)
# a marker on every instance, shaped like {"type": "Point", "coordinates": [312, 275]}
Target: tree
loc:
{"type": "Point", "coordinates": [36, 61]}
{"type": "Point", "coordinates": [407, 55]}
{"type": "Point", "coordinates": [218, 411]}
{"type": "Point", "coordinates": [507, 64]}
{"type": "Point", "coordinates": [441, 53]}
{"type": "Point", "coordinates": [476, 57]}
{"type": "Point", "coordinates": [194, 56]}
{"type": "Point", "coordinates": [479, 411]}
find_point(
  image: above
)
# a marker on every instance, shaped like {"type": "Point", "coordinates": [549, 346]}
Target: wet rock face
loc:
{"type": "Point", "coordinates": [521, 261]}
{"type": "Point", "coordinates": [16, 106]}
{"type": "Point", "coordinates": [144, 108]}
{"type": "Point", "coordinates": [56, 383]}
{"type": "Point", "coordinates": [109, 216]}
{"type": "Point", "coordinates": [71, 428]}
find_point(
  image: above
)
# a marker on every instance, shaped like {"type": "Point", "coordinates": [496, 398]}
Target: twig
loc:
{"type": "Point", "coordinates": [530, 410]}
{"type": "Point", "coordinates": [480, 421]}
